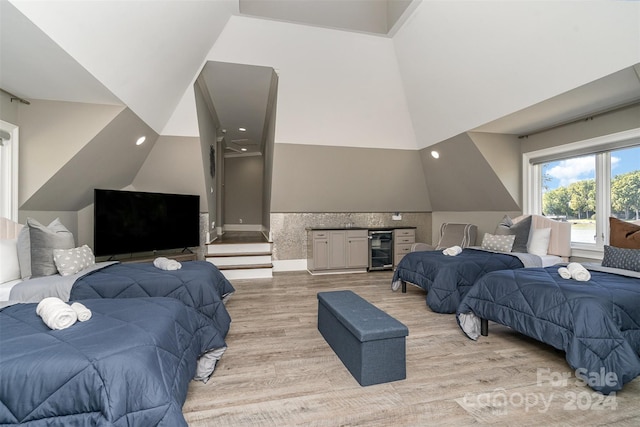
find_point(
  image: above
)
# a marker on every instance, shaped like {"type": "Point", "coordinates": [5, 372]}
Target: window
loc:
{"type": "Point", "coordinates": [8, 170]}
{"type": "Point", "coordinates": [585, 183]}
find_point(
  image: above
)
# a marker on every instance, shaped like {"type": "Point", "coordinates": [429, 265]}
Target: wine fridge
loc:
{"type": "Point", "coordinates": [380, 250]}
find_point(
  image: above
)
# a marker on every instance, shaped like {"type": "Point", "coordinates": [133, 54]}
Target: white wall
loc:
{"type": "Point", "coordinates": [335, 87]}
{"type": "Point", "coordinates": [465, 63]}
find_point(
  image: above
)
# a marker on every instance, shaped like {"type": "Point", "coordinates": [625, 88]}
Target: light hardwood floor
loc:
{"type": "Point", "coordinates": [279, 371]}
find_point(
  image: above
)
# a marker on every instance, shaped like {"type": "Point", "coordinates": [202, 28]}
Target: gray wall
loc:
{"type": "Point", "coordinates": [207, 125]}
{"type": "Point", "coordinates": [311, 178]}
{"type": "Point", "coordinates": [462, 179]}
{"type": "Point", "coordinates": [605, 124]}
{"type": "Point", "coordinates": [8, 109]}
{"type": "Point", "coordinates": [243, 189]}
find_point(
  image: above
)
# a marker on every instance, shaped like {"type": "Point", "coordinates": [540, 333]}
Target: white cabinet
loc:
{"type": "Point", "coordinates": [336, 250]}
{"type": "Point", "coordinates": [403, 239]}
{"type": "Point", "coordinates": [357, 249]}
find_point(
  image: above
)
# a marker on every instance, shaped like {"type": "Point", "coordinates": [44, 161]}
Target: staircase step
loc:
{"type": "Point", "coordinates": [244, 266]}
{"type": "Point", "coordinates": [221, 261]}
{"type": "Point", "coordinates": [233, 254]}
{"type": "Point", "coordinates": [250, 273]}
{"type": "Point", "coordinates": [242, 248]}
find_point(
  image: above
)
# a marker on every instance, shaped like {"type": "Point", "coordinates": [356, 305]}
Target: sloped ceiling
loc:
{"type": "Point", "coordinates": [462, 65]}
{"type": "Point", "coordinates": [110, 160]}
{"type": "Point", "coordinates": [461, 179]}
{"type": "Point", "coordinates": [145, 52]}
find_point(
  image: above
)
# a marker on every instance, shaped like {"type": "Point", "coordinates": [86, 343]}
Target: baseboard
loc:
{"type": "Point", "coordinates": [289, 265]}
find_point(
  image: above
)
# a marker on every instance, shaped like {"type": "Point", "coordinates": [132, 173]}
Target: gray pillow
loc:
{"type": "Point", "coordinates": [521, 230]}
{"type": "Point", "coordinates": [35, 249]}
{"type": "Point", "coordinates": [492, 242]}
{"type": "Point", "coordinates": [626, 259]}
{"type": "Point", "coordinates": [24, 253]}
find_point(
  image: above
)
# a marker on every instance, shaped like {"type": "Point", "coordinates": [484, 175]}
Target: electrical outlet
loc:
{"type": "Point", "coordinates": [396, 217]}
{"type": "Point", "coordinates": [240, 220]}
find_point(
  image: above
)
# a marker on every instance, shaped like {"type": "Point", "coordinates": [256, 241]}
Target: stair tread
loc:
{"type": "Point", "coordinates": [244, 266]}
{"type": "Point", "coordinates": [232, 254]}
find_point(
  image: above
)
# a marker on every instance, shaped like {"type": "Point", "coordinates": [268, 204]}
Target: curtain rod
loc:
{"type": "Point", "coordinates": [14, 97]}
{"type": "Point", "coordinates": [584, 118]}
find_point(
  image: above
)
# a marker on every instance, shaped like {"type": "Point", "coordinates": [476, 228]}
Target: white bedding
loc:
{"type": "Point", "coordinates": [549, 260]}
{"type": "Point", "coordinates": [36, 289]}
{"type": "Point", "coordinates": [5, 289]}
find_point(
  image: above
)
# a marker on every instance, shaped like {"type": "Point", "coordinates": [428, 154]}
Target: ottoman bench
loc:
{"type": "Point", "coordinates": [369, 342]}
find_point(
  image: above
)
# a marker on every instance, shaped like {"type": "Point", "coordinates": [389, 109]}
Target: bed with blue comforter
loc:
{"type": "Point", "coordinates": [198, 284]}
{"type": "Point", "coordinates": [447, 279]}
{"type": "Point", "coordinates": [596, 322]}
{"type": "Point", "coordinates": [129, 365]}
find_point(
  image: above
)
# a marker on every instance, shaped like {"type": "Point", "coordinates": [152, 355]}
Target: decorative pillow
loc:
{"type": "Point", "coordinates": [627, 259]}
{"type": "Point", "coordinates": [9, 267]}
{"type": "Point", "coordinates": [539, 241]}
{"type": "Point", "coordinates": [624, 234]}
{"type": "Point", "coordinates": [71, 261]}
{"type": "Point", "coordinates": [24, 253]}
{"type": "Point", "coordinates": [520, 229]}
{"type": "Point", "coordinates": [35, 250]}
{"type": "Point", "coordinates": [498, 243]}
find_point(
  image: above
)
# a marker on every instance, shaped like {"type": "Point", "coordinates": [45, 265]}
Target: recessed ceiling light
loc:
{"type": "Point", "coordinates": [141, 140]}
{"type": "Point", "coordinates": [435, 154]}
{"type": "Point", "coordinates": [243, 149]}
{"type": "Point", "coordinates": [242, 129]}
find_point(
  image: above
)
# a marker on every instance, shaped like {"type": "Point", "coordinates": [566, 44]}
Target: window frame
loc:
{"type": "Point", "coordinates": [9, 172]}
{"type": "Point", "coordinates": [601, 147]}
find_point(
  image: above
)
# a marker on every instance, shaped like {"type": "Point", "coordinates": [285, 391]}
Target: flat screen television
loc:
{"type": "Point", "coordinates": [133, 221]}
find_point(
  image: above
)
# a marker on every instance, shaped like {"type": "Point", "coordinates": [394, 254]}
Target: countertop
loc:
{"type": "Point", "coordinates": [399, 227]}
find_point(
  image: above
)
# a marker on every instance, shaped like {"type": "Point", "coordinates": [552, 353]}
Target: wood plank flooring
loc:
{"type": "Point", "coordinates": [279, 371]}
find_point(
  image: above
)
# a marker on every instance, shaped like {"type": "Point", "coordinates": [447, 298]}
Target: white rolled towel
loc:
{"type": "Point", "coordinates": [564, 273]}
{"type": "Point", "coordinates": [166, 264]}
{"type": "Point", "coordinates": [578, 272]}
{"type": "Point", "coordinates": [83, 312]}
{"type": "Point", "coordinates": [55, 313]}
{"type": "Point", "coordinates": [452, 251]}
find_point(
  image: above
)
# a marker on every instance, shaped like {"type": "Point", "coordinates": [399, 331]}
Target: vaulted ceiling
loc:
{"type": "Point", "coordinates": [360, 73]}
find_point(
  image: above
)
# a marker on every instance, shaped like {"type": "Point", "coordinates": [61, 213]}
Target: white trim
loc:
{"type": "Point", "coordinates": [289, 265]}
{"type": "Point", "coordinates": [9, 169]}
{"type": "Point", "coordinates": [580, 146]}
{"type": "Point", "coordinates": [531, 180]}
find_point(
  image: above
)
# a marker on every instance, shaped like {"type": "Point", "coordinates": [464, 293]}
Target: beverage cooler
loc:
{"type": "Point", "coordinates": [380, 250]}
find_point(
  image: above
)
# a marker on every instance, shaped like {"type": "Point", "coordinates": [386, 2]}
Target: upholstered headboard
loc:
{"type": "Point", "coordinates": [9, 229]}
{"type": "Point", "coordinates": [560, 243]}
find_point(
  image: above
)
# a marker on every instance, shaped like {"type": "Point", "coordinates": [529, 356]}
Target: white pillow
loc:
{"type": "Point", "coordinates": [9, 265]}
{"type": "Point", "coordinates": [539, 241]}
{"type": "Point", "coordinates": [71, 261]}
{"type": "Point", "coordinates": [498, 243]}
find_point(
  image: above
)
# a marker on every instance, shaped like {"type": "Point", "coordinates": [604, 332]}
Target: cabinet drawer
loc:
{"type": "Point", "coordinates": [405, 239]}
{"type": "Point", "coordinates": [405, 232]}
{"type": "Point", "coordinates": [403, 249]}
{"type": "Point", "coordinates": [320, 234]}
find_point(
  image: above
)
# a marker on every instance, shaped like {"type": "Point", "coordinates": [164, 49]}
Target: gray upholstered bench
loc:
{"type": "Point", "coordinates": [370, 343]}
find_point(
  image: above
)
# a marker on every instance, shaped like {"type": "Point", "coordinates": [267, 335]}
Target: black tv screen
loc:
{"type": "Point", "coordinates": [132, 221]}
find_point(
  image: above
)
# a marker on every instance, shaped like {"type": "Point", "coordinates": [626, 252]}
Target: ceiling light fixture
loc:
{"type": "Point", "coordinates": [242, 129]}
{"type": "Point", "coordinates": [435, 154]}
{"type": "Point", "coordinates": [141, 140]}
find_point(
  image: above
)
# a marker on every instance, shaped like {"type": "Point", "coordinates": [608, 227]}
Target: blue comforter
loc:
{"type": "Point", "coordinates": [198, 284]}
{"type": "Point", "coordinates": [597, 322]}
{"type": "Point", "coordinates": [448, 278]}
{"type": "Point", "coordinates": [129, 365]}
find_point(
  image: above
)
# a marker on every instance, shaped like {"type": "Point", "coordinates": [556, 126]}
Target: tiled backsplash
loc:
{"type": "Point", "coordinates": [289, 236]}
